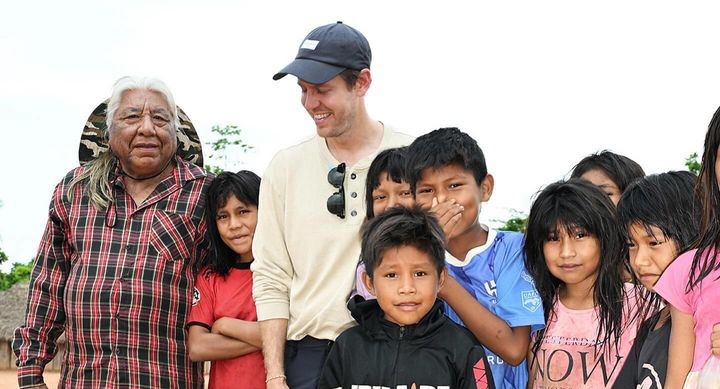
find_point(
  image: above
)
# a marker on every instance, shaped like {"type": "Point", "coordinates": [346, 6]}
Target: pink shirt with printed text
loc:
{"type": "Point", "coordinates": [567, 356]}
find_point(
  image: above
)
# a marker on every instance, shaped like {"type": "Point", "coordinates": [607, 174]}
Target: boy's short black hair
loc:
{"type": "Point", "coordinates": [390, 162]}
{"type": "Point", "coordinates": [442, 147]}
{"type": "Point", "coordinates": [619, 168]}
{"type": "Point", "coordinates": [400, 226]}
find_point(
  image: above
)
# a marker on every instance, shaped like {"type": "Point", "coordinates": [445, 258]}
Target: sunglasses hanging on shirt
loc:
{"type": "Point", "coordinates": [336, 201]}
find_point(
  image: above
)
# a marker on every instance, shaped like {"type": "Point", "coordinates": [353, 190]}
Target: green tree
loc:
{"type": "Point", "coordinates": [518, 222]}
{"type": "Point", "coordinates": [692, 163]}
{"type": "Point", "coordinates": [227, 140]}
{"type": "Point", "coordinates": [20, 272]}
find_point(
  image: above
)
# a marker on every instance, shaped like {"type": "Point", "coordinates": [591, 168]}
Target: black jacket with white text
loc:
{"type": "Point", "coordinates": [435, 353]}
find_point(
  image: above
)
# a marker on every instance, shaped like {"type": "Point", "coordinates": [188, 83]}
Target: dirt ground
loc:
{"type": "Point", "coordinates": [8, 379]}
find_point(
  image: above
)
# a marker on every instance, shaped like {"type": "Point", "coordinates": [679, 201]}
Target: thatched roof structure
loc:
{"type": "Point", "coordinates": [12, 313]}
{"type": "Point", "coordinates": [12, 310]}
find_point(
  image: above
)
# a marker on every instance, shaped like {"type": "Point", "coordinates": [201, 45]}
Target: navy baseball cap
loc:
{"type": "Point", "coordinates": [326, 51]}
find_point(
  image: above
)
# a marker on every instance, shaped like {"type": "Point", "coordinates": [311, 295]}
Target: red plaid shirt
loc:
{"type": "Point", "coordinates": [119, 283]}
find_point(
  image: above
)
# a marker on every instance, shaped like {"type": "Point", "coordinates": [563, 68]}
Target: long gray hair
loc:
{"type": "Point", "coordinates": [97, 172]}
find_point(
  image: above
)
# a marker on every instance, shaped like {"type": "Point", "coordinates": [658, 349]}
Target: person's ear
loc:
{"type": "Point", "coordinates": [486, 187]}
{"type": "Point", "coordinates": [368, 282]}
{"type": "Point", "coordinates": [362, 84]}
{"type": "Point", "coordinates": [441, 279]}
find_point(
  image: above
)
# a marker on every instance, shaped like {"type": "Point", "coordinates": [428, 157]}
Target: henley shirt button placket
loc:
{"type": "Point", "coordinates": [353, 194]}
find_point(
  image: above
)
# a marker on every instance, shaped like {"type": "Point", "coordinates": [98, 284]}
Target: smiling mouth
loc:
{"type": "Point", "coordinates": [569, 267]}
{"type": "Point", "coordinates": [320, 116]}
{"type": "Point", "coordinates": [146, 146]}
{"type": "Point", "coordinates": [407, 306]}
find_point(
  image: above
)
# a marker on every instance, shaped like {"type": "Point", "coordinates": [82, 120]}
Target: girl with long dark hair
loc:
{"type": "Point", "coordinates": [691, 284]}
{"type": "Point", "coordinates": [574, 251]}
{"type": "Point", "coordinates": [661, 216]}
{"type": "Point", "coordinates": [223, 325]}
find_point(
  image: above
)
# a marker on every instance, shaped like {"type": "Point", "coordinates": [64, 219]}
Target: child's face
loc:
{"type": "Point", "coordinates": [236, 223]}
{"type": "Point", "coordinates": [573, 257]}
{"type": "Point", "coordinates": [650, 253]}
{"type": "Point", "coordinates": [598, 178]}
{"type": "Point", "coordinates": [454, 182]}
{"type": "Point", "coordinates": [406, 284]}
{"type": "Point", "coordinates": [391, 194]}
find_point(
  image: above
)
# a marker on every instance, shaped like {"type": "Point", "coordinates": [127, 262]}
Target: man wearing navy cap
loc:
{"type": "Point", "coordinates": [312, 195]}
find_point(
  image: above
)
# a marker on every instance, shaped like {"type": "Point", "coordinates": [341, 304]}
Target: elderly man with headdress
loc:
{"type": "Point", "coordinates": [115, 266]}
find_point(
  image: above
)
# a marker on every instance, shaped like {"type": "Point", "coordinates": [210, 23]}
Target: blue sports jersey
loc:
{"type": "Point", "coordinates": [495, 274]}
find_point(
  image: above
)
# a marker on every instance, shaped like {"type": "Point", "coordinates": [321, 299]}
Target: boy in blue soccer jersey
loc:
{"type": "Point", "coordinates": [489, 291]}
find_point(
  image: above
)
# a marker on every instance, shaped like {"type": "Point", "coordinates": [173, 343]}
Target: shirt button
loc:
{"type": "Point", "coordinates": [353, 213]}
{"type": "Point", "coordinates": [353, 194]}
{"type": "Point", "coordinates": [353, 176]}
{"type": "Point", "coordinates": [118, 352]}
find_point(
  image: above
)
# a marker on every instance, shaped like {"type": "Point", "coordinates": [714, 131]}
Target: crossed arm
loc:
{"type": "Point", "coordinates": [228, 338]}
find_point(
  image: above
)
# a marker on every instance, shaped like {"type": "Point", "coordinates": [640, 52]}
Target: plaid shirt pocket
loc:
{"type": "Point", "coordinates": [172, 236]}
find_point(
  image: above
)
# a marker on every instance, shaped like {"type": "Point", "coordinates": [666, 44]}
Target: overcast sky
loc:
{"type": "Point", "coordinates": [539, 84]}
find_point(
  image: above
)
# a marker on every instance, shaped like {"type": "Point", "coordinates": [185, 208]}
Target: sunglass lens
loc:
{"type": "Point", "coordinates": [335, 178]}
{"type": "Point", "coordinates": [336, 205]}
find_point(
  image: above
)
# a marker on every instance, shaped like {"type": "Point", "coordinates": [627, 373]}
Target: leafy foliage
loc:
{"type": "Point", "coordinates": [227, 140]}
{"type": "Point", "coordinates": [515, 224]}
{"type": "Point", "coordinates": [692, 163]}
{"type": "Point", "coordinates": [518, 222]}
{"type": "Point", "coordinates": [214, 169]}
{"type": "Point", "coordinates": [20, 272]}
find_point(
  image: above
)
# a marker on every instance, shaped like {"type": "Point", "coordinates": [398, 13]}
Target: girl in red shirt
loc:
{"type": "Point", "coordinates": [223, 325]}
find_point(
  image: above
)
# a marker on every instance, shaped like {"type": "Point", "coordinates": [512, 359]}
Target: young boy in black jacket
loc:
{"type": "Point", "coordinates": [403, 338]}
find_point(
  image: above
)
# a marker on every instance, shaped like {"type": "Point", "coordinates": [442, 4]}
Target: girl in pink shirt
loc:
{"type": "Point", "coordinates": [691, 284]}
{"type": "Point", "coordinates": [575, 252]}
